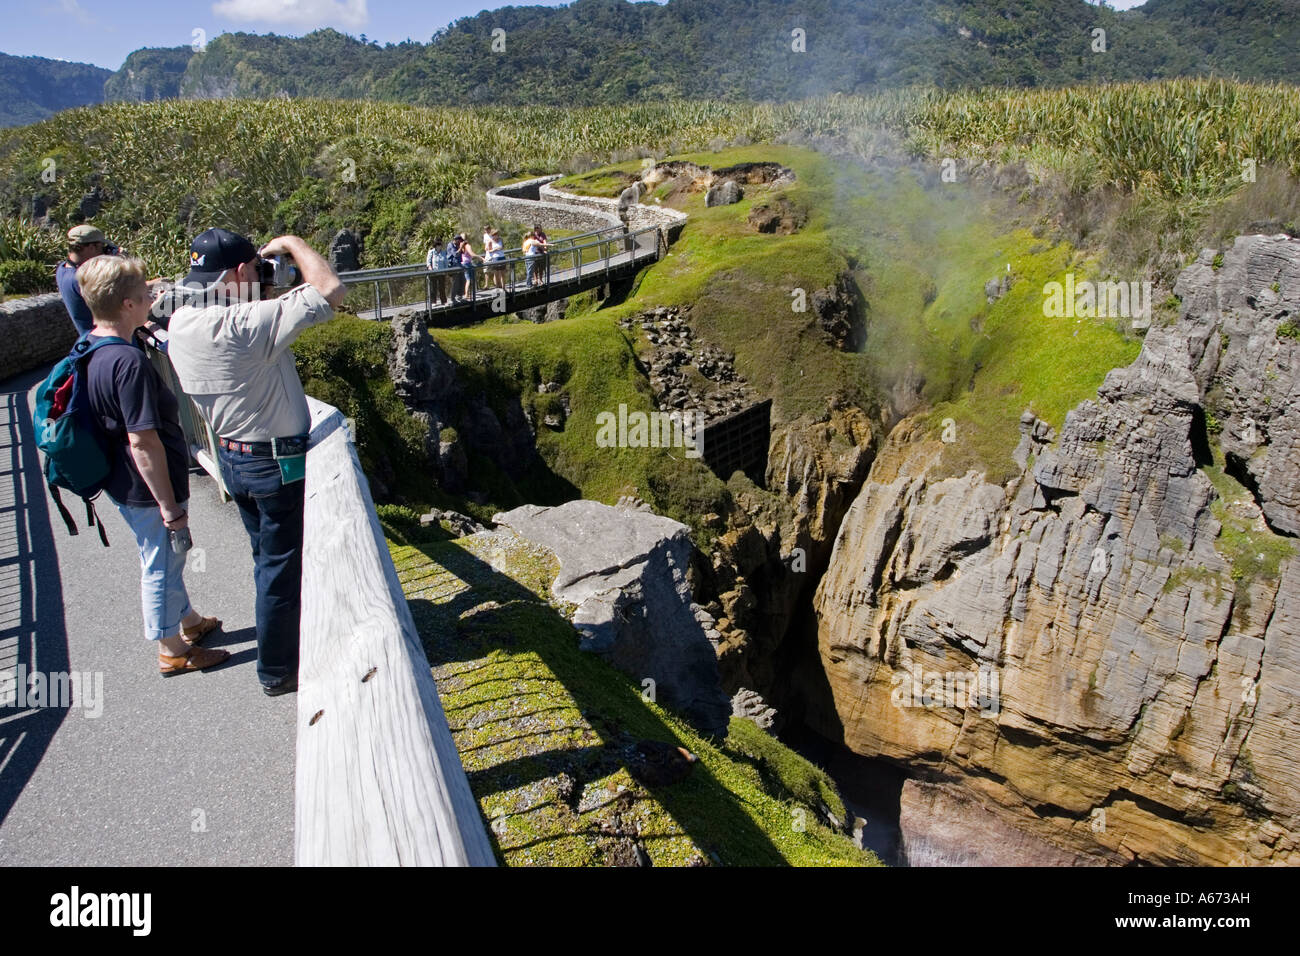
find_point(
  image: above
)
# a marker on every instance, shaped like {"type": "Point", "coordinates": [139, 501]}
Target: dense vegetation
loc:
{"type": "Point", "coordinates": [32, 87]}
{"type": "Point", "coordinates": [1135, 176]}
{"type": "Point", "coordinates": [399, 174]}
{"type": "Point", "coordinates": [611, 51]}
{"type": "Point", "coordinates": [149, 74]}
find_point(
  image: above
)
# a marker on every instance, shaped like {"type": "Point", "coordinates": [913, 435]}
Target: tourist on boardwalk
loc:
{"type": "Point", "coordinates": [496, 254]}
{"type": "Point", "coordinates": [487, 248]}
{"type": "Point", "coordinates": [467, 258]}
{"type": "Point", "coordinates": [437, 261]}
{"type": "Point", "coordinates": [542, 267]}
{"type": "Point", "coordinates": [533, 248]}
{"type": "Point", "coordinates": [85, 242]}
{"type": "Point", "coordinates": [230, 348]}
{"type": "Point", "coordinates": [149, 479]}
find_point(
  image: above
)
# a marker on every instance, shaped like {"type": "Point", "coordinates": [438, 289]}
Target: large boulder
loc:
{"type": "Point", "coordinates": [345, 251]}
{"type": "Point", "coordinates": [625, 570]}
{"type": "Point", "coordinates": [724, 193]}
{"type": "Point", "coordinates": [421, 371]}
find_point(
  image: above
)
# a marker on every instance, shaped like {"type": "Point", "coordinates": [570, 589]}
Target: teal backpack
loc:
{"type": "Point", "coordinates": [68, 435]}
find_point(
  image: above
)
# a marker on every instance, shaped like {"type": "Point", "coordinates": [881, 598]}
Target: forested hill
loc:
{"type": "Point", "coordinates": [612, 51]}
{"type": "Point", "coordinates": [32, 87]}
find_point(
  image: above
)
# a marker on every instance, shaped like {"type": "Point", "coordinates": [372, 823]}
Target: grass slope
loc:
{"type": "Point", "coordinates": [544, 731]}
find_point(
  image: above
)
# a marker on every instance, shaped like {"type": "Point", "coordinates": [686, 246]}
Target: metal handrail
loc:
{"type": "Point", "coordinates": [614, 234]}
{"type": "Point", "coordinates": [414, 269]}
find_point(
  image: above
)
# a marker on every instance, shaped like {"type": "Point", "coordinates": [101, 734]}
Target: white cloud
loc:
{"type": "Point", "coordinates": [73, 9]}
{"type": "Point", "coordinates": [304, 14]}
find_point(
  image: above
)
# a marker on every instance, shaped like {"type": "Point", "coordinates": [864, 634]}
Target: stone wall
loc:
{"type": "Point", "coordinates": [639, 215]}
{"type": "Point", "coordinates": [34, 331]}
{"type": "Point", "coordinates": [537, 201]}
{"type": "Point", "coordinates": [520, 202]}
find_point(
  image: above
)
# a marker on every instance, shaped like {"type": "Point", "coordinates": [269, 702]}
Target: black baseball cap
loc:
{"type": "Point", "coordinates": [213, 252]}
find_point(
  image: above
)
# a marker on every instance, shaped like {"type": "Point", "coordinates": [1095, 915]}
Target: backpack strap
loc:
{"type": "Point", "coordinates": [63, 510]}
{"type": "Point", "coordinates": [94, 521]}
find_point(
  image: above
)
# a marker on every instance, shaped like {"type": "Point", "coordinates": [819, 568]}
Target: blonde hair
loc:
{"type": "Point", "coordinates": [106, 280]}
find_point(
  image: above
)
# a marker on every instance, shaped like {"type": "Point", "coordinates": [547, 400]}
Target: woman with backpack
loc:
{"type": "Point", "coordinates": [148, 457]}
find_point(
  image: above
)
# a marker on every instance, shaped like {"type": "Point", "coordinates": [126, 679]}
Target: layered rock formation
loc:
{"type": "Point", "coordinates": [1104, 654]}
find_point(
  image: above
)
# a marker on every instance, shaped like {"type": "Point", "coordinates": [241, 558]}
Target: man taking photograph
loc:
{"type": "Point", "coordinates": [230, 348]}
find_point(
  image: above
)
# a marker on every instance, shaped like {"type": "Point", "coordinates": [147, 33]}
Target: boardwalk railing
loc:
{"type": "Point", "coordinates": [378, 779]}
{"type": "Point", "coordinates": [566, 262]}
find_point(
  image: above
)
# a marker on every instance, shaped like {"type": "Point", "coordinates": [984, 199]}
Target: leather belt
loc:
{"type": "Point", "coordinates": [276, 448]}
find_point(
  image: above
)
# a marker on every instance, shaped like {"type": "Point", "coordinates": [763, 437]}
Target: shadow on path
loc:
{"type": "Point", "coordinates": [33, 634]}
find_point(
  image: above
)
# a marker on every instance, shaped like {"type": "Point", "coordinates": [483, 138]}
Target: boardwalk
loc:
{"type": "Point", "coordinates": [575, 265]}
{"type": "Point", "coordinates": [194, 770]}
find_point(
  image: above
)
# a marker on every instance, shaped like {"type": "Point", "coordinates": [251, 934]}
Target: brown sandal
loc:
{"type": "Point", "coordinates": [194, 636]}
{"type": "Point", "coordinates": [195, 659]}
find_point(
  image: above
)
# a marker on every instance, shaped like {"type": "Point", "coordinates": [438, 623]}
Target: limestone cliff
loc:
{"type": "Point", "coordinates": [1104, 652]}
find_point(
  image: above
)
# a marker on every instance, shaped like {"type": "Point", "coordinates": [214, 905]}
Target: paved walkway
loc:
{"type": "Point", "coordinates": [193, 770]}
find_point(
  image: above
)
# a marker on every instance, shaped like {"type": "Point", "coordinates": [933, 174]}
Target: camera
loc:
{"type": "Point", "coordinates": [180, 540]}
{"type": "Point", "coordinates": [278, 271]}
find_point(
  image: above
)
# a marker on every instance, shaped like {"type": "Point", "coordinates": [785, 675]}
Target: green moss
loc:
{"type": "Point", "coordinates": [1288, 330]}
{"type": "Point", "coordinates": [1252, 555]}
{"type": "Point", "coordinates": [545, 730]}
{"type": "Point", "coordinates": [344, 363]}
{"type": "Point", "coordinates": [1173, 543]}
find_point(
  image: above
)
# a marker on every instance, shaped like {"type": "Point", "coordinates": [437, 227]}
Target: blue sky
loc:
{"type": "Point", "coordinates": [103, 32]}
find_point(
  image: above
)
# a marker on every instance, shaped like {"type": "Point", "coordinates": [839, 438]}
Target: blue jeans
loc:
{"type": "Point", "coordinates": [272, 516]}
{"type": "Point", "coordinates": [163, 598]}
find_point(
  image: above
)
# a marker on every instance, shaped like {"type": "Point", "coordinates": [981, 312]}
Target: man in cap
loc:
{"type": "Point", "coordinates": [230, 349]}
{"type": "Point", "coordinates": [85, 242]}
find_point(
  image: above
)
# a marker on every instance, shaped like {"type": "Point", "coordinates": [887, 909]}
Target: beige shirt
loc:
{"type": "Point", "coordinates": [235, 362]}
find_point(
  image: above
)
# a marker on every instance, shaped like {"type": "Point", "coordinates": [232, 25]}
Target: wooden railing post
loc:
{"type": "Point", "coordinates": [378, 779]}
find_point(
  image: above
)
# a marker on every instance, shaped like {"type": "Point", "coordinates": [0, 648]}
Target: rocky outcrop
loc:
{"type": "Point", "coordinates": [552, 311]}
{"type": "Point", "coordinates": [749, 705]}
{"type": "Point", "coordinates": [345, 251]}
{"type": "Point", "coordinates": [777, 216]}
{"type": "Point", "coordinates": [456, 422]}
{"type": "Point", "coordinates": [839, 313]}
{"type": "Point", "coordinates": [686, 373]}
{"type": "Point", "coordinates": [1105, 652]}
{"type": "Point", "coordinates": [763, 566]}
{"type": "Point", "coordinates": [1249, 369]}
{"type": "Point", "coordinates": [625, 570]}
{"type": "Point", "coordinates": [725, 193]}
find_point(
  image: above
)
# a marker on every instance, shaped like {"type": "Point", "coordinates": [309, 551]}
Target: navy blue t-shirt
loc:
{"type": "Point", "coordinates": [66, 277]}
{"type": "Point", "coordinates": [127, 395]}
